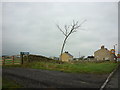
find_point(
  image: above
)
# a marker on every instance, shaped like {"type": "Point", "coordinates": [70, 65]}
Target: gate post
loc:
{"type": "Point", "coordinates": [13, 59]}
{"type": "Point", "coordinates": [21, 57]}
{"type": "Point", "coordinates": [3, 60]}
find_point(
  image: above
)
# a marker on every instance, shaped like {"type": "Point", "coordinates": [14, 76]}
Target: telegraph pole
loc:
{"type": "Point", "coordinates": [115, 52]}
{"type": "Point", "coordinates": [114, 47]}
{"type": "Point", "coordinates": [79, 54]}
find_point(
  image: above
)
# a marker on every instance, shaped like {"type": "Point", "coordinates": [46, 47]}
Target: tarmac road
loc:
{"type": "Point", "coordinates": [36, 78]}
{"type": "Point", "coordinates": [114, 82]}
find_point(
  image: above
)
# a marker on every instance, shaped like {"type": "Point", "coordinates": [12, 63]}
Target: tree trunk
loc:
{"type": "Point", "coordinates": [63, 48]}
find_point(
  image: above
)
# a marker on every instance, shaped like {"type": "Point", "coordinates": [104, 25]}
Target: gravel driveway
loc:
{"type": "Point", "coordinates": [36, 78]}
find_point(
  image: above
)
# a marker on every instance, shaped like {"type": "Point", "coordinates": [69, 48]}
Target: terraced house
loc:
{"type": "Point", "coordinates": [104, 54]}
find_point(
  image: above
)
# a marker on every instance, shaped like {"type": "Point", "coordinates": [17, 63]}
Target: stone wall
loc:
{"type": "Point", "coordinates": [34, 58]}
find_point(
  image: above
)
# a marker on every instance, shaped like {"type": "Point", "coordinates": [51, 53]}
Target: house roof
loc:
{"type": "Point", "coordinates": [68, 53]}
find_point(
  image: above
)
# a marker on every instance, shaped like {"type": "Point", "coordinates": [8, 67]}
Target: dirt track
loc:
{"type": "Point", "coordinates": [35, 78]}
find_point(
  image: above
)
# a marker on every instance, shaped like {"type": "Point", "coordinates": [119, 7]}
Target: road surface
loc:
{"type": "Point", "coordinates": [36, 78]}
{"type": "Point", "coordinates": [114, 80]}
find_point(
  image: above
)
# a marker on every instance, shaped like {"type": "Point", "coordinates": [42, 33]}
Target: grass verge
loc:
{"type": "Point", "coordinates": [99, 68]}
{"type": "Point", "coordinates": [84, 67]}
{"type": "Point", "coordinates": [9, 84]}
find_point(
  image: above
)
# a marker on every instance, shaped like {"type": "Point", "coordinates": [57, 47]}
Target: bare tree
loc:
{"type": "Point", "coordinates": [68, 30]}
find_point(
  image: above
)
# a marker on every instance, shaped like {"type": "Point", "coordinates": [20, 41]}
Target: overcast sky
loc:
{"type": "Point", "coordinates": [31, 26]}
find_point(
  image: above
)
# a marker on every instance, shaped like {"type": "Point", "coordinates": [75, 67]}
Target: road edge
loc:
{"type": "Point", "coordinates": [108, 78]}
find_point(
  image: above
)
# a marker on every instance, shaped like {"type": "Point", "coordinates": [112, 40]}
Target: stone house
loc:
{"type": "Point", "coordinates": [90, 58]}
{"type": "Point", "coordinates": [104, 54]}
{"type": "Point", "coordinates": [66, 57]}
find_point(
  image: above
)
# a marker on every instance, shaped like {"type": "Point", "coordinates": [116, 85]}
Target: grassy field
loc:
{"type": "Point", "coordinates": [83, 67]}
{"type": "Point", "coordinates": [100, 68]}
{"type": "Point", "coordinates": [9, 84]}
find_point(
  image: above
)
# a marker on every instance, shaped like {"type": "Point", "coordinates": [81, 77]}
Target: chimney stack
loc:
{"type": "Point", "coordinates": [102, 47]}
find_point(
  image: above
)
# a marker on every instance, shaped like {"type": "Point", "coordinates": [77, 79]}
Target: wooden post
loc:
{"type": "Point", "coordinates": [21, 57]}
{"type": "Point", "coordinates": [12, 59]}
{"type": "Point", "coordinates": [3, 60]}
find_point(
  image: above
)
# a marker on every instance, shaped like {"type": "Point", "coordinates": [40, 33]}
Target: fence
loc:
{"type": "Point", "coordinates": [10, 60]}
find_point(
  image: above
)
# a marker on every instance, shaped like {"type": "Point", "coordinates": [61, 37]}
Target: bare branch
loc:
{"type": "Point", "coordinates": [77, 26]}
{"type": "Point", "coordinates": [76, 23]}
{"type": "Point", "coordinates": [61, 30]}
{"type": "Point", "coordinates": [82, 22]}
{"type": "Point", "coordinates": [73, 22]}
{"type": "Point", "coordinates": [66, 28]}
{"type": "Point", "coordinates": [74, 31]}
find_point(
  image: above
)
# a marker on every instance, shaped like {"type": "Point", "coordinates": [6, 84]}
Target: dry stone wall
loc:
{"type": "Point", "coordinates": [32, 58]}
{"type": "Point", "coordinates": [38, 58]}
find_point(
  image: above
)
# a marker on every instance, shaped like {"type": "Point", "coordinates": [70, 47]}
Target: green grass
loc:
{"type": "Point", "coordinates": [10, 84]}
{"type": "Point", "coordinates": [83, 67]}
{"type": "Point", "coordinates": [78, 67]}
